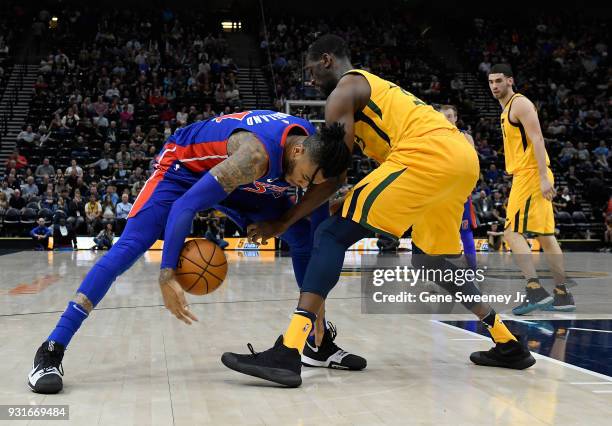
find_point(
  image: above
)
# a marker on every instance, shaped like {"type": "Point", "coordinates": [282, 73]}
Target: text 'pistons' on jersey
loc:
{"type": "Point", "coordinates": [202, 145]}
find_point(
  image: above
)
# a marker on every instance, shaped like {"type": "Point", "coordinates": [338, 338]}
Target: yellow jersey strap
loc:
{"type": "Point", "coordinates": [509, 106]}
{"type": "Point", "coordinates": [355, 71]}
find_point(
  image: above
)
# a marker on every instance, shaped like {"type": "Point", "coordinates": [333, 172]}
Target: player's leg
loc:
{"type": "Point", "coordinates": [141, 230]}
{"type": "Point", "coordinates": [526, 206]}
{"type": "Point", "coordinates": [245, 208]}
{"type": "Point", "coordinates": [332, 238]}
{"type": "Point", "coordinates": [441, 220]}
{"type": "Point", "coordinates": [467, 236]}
{"type": "Point", "coordinates": [541, 221]}
{"type": "Point", "coordinates": [563, 300]}
{"type": "Point", "coordinates": [281, 363]}
{"type": "Point", "coordinates": [325, 352]}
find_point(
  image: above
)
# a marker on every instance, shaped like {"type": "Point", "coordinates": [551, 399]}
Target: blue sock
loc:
{"type": "Point", "coordinates": [69, 323]}
{"type": "Point", "coordinates": [469, 248]}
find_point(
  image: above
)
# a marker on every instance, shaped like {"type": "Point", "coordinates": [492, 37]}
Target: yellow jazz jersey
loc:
{"type": "Point", "coordinates": [427, 170]}
{"type": "Point", "coordinates": [518, 149]}
{"type": "Point", "coordinates": [392, 116]}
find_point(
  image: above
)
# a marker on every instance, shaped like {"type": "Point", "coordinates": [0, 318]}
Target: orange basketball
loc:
{"type": "Point", "coordinates": [202, 267]}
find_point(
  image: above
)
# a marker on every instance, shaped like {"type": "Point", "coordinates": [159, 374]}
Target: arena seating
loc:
{"type": "Point", "coordinates": [123, 86]}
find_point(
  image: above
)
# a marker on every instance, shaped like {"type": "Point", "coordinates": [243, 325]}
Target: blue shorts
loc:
{"type": "Point", "coordinates": [468, 222]}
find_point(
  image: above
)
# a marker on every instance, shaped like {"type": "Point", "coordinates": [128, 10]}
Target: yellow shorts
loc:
{"type": "Point", "coordinates": [528, 211]}
{"type": "Point", "coordinates": [423, 183]}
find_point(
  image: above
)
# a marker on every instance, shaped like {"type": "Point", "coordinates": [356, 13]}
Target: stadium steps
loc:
{"type": "Point", "coordinates": [487, 106]}
{"type": "Point", "coordinates": [21, 108]}
{"type": "Point", "coordinates": [254, 89]}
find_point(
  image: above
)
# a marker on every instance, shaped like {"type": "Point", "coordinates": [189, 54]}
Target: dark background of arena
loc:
{"type": "Point", "coordinates": [160, 65]}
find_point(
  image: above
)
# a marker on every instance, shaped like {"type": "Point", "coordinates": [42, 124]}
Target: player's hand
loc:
{"type": "Point", "coordinates": [548, 190]}
{"type": "Point", "coordinates": [174, 297]}
{"type": "Point", "coordinates": [265, 230]}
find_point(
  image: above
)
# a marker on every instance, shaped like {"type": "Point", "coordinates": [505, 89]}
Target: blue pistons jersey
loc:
{"type": "Point", "coordinates": [202, 145]}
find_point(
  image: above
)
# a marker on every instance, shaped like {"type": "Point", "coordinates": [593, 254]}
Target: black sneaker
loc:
{"type": "Point", "coordinates": [563, 301]}
{"type": "Point", "coordinates": [330, 355]}
{"type": "Point", "coordinates": [537, 298]}
{"type": "Point", "coordinates": [512, 354]}
{"type": "Point", "coordinates": [47, 371]}
{"type": "Point", "coordinates": [278, 364]}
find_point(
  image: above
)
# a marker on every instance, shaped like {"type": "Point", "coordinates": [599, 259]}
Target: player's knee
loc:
{"type": "Point", "coordinates": [122, 255]}
{"type": "Point", "coordinates": [338, 231]}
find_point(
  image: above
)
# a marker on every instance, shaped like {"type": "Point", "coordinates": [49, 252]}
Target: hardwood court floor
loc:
{"type": "Point", "coordinates": [133, 364]}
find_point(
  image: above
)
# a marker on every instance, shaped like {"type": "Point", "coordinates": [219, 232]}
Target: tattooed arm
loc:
{"type": "Point", "coordinates": [247, 161]}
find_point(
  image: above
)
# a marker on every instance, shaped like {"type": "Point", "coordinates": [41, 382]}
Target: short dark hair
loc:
{"type": "Point", "coordinates": [331, 44]}
{"type": "Point", "coordinates": [504, 69]}
{"type": "Point", "coordinates": [328, 150]}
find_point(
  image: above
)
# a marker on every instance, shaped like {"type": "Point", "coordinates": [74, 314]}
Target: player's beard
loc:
{"type": "Point", "coordinates": [327, 87]}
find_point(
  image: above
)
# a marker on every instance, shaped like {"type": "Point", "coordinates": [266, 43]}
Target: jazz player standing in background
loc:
{"type": "Point", "coordinates": [530, 209]}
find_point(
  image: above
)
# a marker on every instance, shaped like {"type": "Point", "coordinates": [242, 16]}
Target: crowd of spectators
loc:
{"type": "Point", "coordinates": [560, 63]}
{"type": "Point", "coordinates": [102, 109]}
{"type": "Point", "coordinates": [105, 102]}
{"type": "Point", "coordinates": [395, 51]}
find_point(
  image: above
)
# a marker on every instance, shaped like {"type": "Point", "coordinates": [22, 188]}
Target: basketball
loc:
{"type": "Point", "coordinates": [202, 267]}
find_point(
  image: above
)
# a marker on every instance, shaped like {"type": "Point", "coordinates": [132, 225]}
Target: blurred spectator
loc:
{"type": "Point", "coordinates": [122, 210]}
{"type": "Point", "coordinates": [48, 201]}
{"type": "Point", "coordinates": [4, 204]}
{"type": "Point", "coordinates": [104, 165]}
{"type": "Point", "coordinates": [601, 154]}
{"type": "Point", "coordinates": [74, 166]}
{"type": "Point", "coordinates": [45, 169]}
{"type": "Point", "coordinates": [17, 201]}
{"type": "Point", "coordinates": [104, 239]}
{"type": "Point", "coordinates": [123, 155]}
{"type": "Point", "coordinates": [27, 136]}
{"type": "Point", "coordinates": [93, 214]}
{"type": "Point", "coordinates": [70, 120]}
{"type": "Point", "coordinates": [40, 235]}
{"type": "Point", "coordinates": [567, 154]}
{"type": "Point", "coordinates": [495, 236]}
{"type": "Point", "coordinates": [492, 174]}
{"type": "Point", "coordinates": [64, 237]}
{"type": "Point", "coordinates": [111, 193]}
{"type": "Point", "coordinates": [16, 160]}
{"type": "Point", "coordinates": [182, 116]}
{"type": "Point", "coordinates": [108, 211]}
{"type": "Point", "coordinates": [29, 189]}
{"type": "Point", "coordinates": [608, 235]}
{"type": "Point", "coordinates": [76, 212]}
